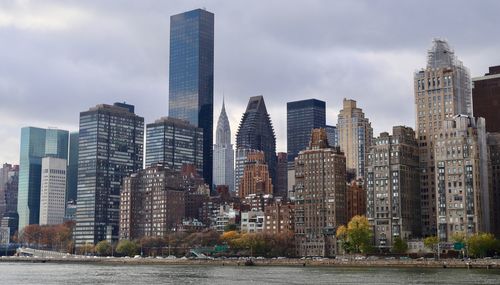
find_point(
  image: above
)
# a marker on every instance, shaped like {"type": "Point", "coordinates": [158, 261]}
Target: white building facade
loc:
{"type": "Point", "coordinates": [53, 191]}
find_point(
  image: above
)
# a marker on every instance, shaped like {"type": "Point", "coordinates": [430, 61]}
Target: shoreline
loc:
{"type": "Point", "coordinates": [447, 263]}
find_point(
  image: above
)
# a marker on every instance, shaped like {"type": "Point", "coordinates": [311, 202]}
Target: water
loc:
{"type": "Point", "coordinates": [38, 273]}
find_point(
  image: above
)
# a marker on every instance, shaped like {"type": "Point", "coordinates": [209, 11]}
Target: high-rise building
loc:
{"type": "Point", "coordinates": [281, 183]}
{"type": "Point", "coordinates": [331, 133]}
{"type": "Point", "coordinates": [320, 202]}
{"type": "Point", "coordinates": [486, 98]}
{"type": "Point", "coordinates": [110, 148]}
{"type": "Point", "coordinates": [279, 218]}
{"type": "Point", "coordinates": [355, 199]}
{"type": "Point", "coordinates": [461, 161]}
{"type": "Point", "coordinates": [354, 136]}
{"type": "Point", "coordinates": [256, 178]}
{"type": "Point", "coordinates": [191, 76]}
{"type": "Point", "coordinates": [223, 165]}
{"type": "Point", "coordinates": [174, 143]}
{"type": "Point", "coordinates": [36, 143]}
{"type": "Point", "coordinates": [493, 141]}
{"type": "Point", "coordinates": [301, 118]}
{"type": "Point", "coordinates": [255, 133]}
{"type": "Point", "coordinates": [151, 202]}
{"type": "Point", "coordinates": [72, 173]}
{"type": "Point", "coordinates": [442, 90]}
{"type": "Point", "coordinates": [9, 178]}
{"type": "Point", "coordinates": [53, 191]}
{"type": "Point", "coordinates": [393, 189]}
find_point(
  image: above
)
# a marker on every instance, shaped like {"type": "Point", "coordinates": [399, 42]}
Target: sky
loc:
{"type": "Point", "coordinates": [58, 58]}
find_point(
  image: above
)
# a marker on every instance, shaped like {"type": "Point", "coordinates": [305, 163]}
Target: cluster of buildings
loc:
{"type": "Point", "coordinates": [119, 179]}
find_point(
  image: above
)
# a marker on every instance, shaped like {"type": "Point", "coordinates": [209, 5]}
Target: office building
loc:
{"type": "Point", "coordinates": [151, 203]}
{"type": "Point", "coordinates": [301, 118]}
{"type": "Point", "coordinates": [191, 76]}
{"type": "Point", "coordinates": [223, 164]}
{"type": "Point", "coordinates": [331, 133]}
{"type": "Point", "coordinates": [9, 179]}
{"type": "Point", "coordinates": [256, 178]}
{"type": "Point", "coordinates": [486, 98]}
{"type": "Point", "coordinates": [53, 191]}
{"type": "Point", "coordinates": [72, 174]}
{"type": "Point", "coordinates": [320, 196]}
{"type": "Point", "coordinates": [174, 143]}
{"type": "Point", "coordinates": [442, 90]}
{"type": "Point", "coordinates": [461, 161]}
{"type": "Point", "coordinates": [354, 136]}
{"type": "Point", "coordinates": [110, 148]}
{"type": "Point", "coordinates": [393, 189]}
{"type": "Point", "coordinates": [36, 143]}
{"type": "Point", "coordinates": [255, 132]}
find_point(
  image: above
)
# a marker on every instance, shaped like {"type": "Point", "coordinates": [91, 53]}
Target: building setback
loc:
{"type": "Point", "coordinates": [320, 202]}
{"type": "Point", "coordinates": [110, 148]}
{"type": "Point", "coordinates": [255, 132]}
{"type": "Point", "coordinates": [493, 141]}
{"type": "Point", "coordinates": [442, 90]}
{"type": "Point", "coordinates": [393, 189]}
{"type": "Point", "coordinates": [191, 76]}
{"type": "Point", "coordinates": [36, 143]}
{"type": "Point", "coordinates": [174, 143]}
{"type": "Point", "coordinates": [462, 178]}
{"type": "Point", "coordinates": [223, 164]}
{"type": "Point", "coordinates": [301, 118]}
{"type": "Point", "coordinates": [256, 178]}
{"type": "Point", "coordinates": [354, 136]}
{"type": "Point", "coordinates": [151, 203]}
{"type": "Point", "coordinates": [53, 191]}
{"type": "Point", "coordinates": [486, 98]}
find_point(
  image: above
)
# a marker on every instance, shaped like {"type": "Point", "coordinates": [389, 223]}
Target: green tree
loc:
{"type": "Point", "coordinates": [399, 245]}
{"type": "Point", "coordinates": [127, 248]}
{"type": "Point", "coordinates": [431, 243]}
{"type": "Point", "coordinates": [359, 234]}
{"type": "Point", "coordinates": [481, 244]}
{"type": "Point", "coordinates": [103, 248]}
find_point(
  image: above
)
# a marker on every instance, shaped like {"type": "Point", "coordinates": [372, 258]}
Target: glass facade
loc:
{"type": "Point", "coordinates": [301, 118]}
{"type": "Point", "coordinates": [191, 75]}
{"type": "Point", "coordinates": [72, 175]}
{"type": "Point", "coordinates": [174, 142]}
{"type": "Point", "coordinates": [110, 148]}
{"type": "Point", "coordinates": [36, 143]}
{"type": "Point", "coordinates": [331, 133]}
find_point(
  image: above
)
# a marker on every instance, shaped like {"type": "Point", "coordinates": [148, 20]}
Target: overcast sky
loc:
{"type": "Point", "coordinates": [58, 58]}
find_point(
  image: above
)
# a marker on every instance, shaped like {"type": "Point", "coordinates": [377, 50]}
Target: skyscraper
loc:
{"type": "Point", "coordinates": [36, 143]}
{"type": "Point", "coordinates": [110, 148]}
{"type": "Point", "coordinates": [255, 133]}
{"type": "Point", "coordinates": [442, 90]}
{"type": "Point", "coordinates": [354, 136]}
{"type": "Point", "coordinates": [486, 98]}
{"type": "Point", "coordinates": [223, 164]}
{"type": "Point", "coordinates": [393, 189]}
{"type": "Point", "coordinates": [192, 76]}
{"type": "Point", "coordinates": [255, 179]}
{"type": "Point", "coordinates": [72, 174]}
{"type": "Point", "coordinates": [53, 191]}
{"type": "Point", "coordinates": [301, 117]}
{"type": "Point", "coordinates": [173, 143]}
{"type": "Point", "coordinates": [9, 179]}
{"type": "Point", "coordinates": [331, 133]}
{"type": "Point", "coordinates": [320, 196]}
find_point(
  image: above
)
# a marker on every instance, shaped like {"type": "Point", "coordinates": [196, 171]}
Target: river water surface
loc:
{"type": "Point", "coordinates": [53, 273]}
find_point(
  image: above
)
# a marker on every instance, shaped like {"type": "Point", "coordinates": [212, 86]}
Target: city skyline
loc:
{"type": "Point", "coordinates": [84, 71]}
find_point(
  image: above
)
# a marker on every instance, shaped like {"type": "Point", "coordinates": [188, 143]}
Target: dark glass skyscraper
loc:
{"type": "Point", "coordinates": [110, 148]}
{"type": "Point", "coordinates": [192, 75]}
{"type": "Point", "coordinates": [301, 118]}
{"type": "Point", "coordinates": [36, 143]}
{"type": "Point", "coordinates": [72, 173]}
{"type": "Point", "coordinates": [256, 133]}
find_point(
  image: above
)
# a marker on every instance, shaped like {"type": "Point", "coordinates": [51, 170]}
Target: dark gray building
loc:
{"type": "Point", "coordinates": [110, 148]}
{"type": "Point", "coordinates": [301, 118]}
{"type": "Point", "coordinates": [72, 171]}
{"type": "Point", "coordinates": [192, 75]}
{"type": "Point", "coordinates": [331, 133]}
{"type": "Point", "coordinates": [174, 142]}
{"type": "Point", "coordinates": [255, 133]}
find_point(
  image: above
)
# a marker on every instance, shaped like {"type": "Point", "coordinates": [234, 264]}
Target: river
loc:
{"type": "Point", "coordinates": [61, 273]}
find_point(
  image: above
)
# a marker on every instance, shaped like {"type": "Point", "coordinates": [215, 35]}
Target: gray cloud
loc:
{"type": "Point", "coordinates": [58, 58]}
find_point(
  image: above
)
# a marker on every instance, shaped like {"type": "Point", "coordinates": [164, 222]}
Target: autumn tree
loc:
{"type": "Point", "coordinates": [357, 236]}
{"type": "Point", "coordinates": [481, 244]}
{"type": "Point", "coordinates": [127, 248]}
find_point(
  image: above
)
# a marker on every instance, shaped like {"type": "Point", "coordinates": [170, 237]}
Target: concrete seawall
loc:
{"type": "Point", "coordinates": [448, 263]}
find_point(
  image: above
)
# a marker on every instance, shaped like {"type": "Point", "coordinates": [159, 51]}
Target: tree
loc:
{"type": "Point", "coordinates": [103, 248]}
{"type": "Point", "coordinates": [481, 244]}
{"type": "Point", "coordinates": [127, 248]}
{"type": "Point", "coordinates": [230, 227]}
{"type": "Point", "coordinates": [359, 233]}
{"type": "Point", "coordinates": [399, 246]}
{"type": "Point", "coordinates": [431, 243]}
{"type": "Point", "coordinates": [86, 249]}
{"type": "Point", "coordinates": [343, 237]}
